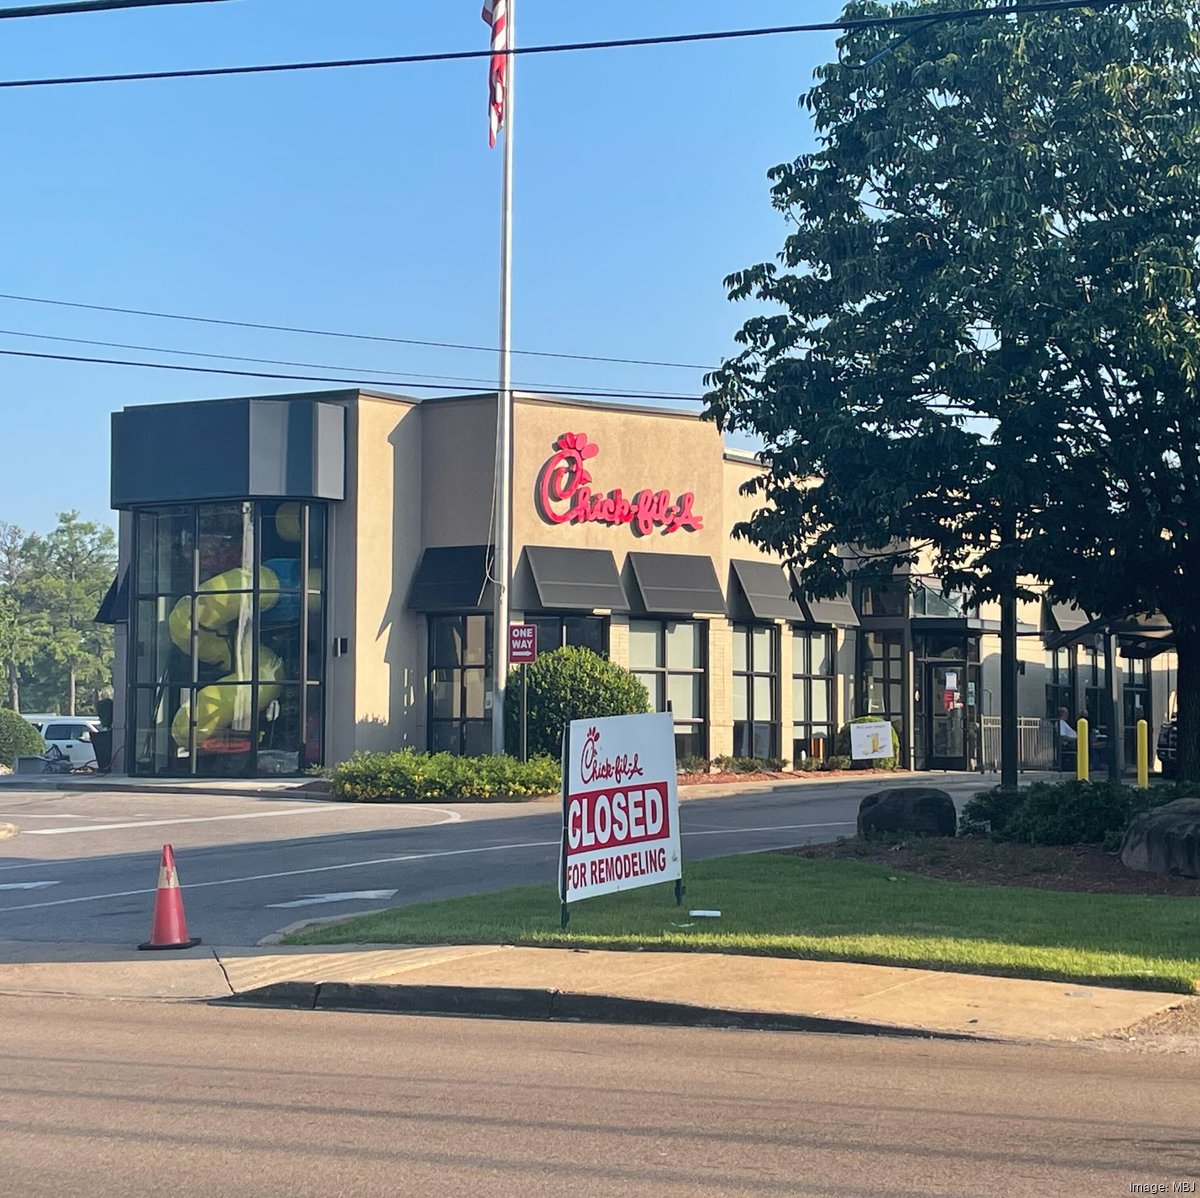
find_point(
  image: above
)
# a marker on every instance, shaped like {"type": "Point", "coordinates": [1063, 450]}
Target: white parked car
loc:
{"type": "Point", "coordinates": [72, 736]}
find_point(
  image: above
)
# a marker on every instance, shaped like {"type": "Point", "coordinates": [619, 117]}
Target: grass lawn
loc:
{"type": "Point", "coordinates": [787, 906]}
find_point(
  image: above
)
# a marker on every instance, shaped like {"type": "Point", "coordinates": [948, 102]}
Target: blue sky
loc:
{"type": "Point", "coordinates": [367, 200]}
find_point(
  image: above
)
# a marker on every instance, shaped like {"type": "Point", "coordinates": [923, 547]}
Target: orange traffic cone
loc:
{"type": "Point", "coordinates": [169, 927]}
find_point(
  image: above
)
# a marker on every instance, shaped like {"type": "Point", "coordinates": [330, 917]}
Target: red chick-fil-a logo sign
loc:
{"type": "Point", "coordinates": [565, 495]}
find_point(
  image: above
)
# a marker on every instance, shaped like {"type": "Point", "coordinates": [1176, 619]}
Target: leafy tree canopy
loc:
{"type": "Point", "coordinates": [982, 336]}
{"type": "Point", "coordinates": [55, 656]}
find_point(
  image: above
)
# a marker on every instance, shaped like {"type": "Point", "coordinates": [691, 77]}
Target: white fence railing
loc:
{"type": "Point", "coordinates": [1037, 744]}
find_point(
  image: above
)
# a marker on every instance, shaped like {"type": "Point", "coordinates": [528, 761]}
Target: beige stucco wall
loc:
{"type": "Point", "coordinates": [375, 694]}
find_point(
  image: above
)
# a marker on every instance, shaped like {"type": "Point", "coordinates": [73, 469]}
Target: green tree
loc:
{"type": "Point", "coordinates": [69, 571]}
{"type": "Point", "coordinates": [17, 620]}
{"type": "Point", "coordinates": [569, 684]}
{"type": "Point", "coordinates": [982, 336]}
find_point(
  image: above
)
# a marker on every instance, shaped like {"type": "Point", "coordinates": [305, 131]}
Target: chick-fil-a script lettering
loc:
{"type": "Point", "coordinates": [565, 495]}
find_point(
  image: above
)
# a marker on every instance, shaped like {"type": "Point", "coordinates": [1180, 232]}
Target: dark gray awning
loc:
{"type": "Point", "coordinates": [839, 612]}
{"type": "Point", "coordinates": [767, 589]}
{"type": "Point", "coordinates": [576, 579]}
{"type": "Point", "coordinates": [452, 578]}
{"type": "Point", "coordinates": [679, 584]}
{"type": "Point", "coordinates": [1065, 617]}
{"type": "Point", "coordinates": [114, 607]}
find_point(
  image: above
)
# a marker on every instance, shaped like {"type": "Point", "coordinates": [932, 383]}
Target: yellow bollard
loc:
{"type": "Point", "coordinates": [1082, 772]}
{"type": "Point", "coordinates": [1143, 754]}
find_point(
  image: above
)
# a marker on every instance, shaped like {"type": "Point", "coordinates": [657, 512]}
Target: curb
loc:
{"type": "Point", "coordinates": [549, 1005]}
{"type": "Point", "coordinates": [8, 831]}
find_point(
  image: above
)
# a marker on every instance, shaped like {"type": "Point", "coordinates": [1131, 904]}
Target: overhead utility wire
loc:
{"type": "Point", "coordinates": [343, 382]}
{"type": "Point", "coordinates": [74, 7]}
{"type": "Point", "coordinates": [283, 328]}
{"type": "Point", "coordinates": [949, 16]}
{"type": "Point", "coordinates": [399, 375]}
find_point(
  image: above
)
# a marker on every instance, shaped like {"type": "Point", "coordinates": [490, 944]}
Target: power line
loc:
{"type": "Point", "coordinates": [283, 328]}
{"type": "Point", "coordinates": [948, 17]}
{"type": "Point", "coordinates": [84, 6]}
{"type": "Point", "coordinates": [400, 376]}
{"type": "Point", "coordinates": [342, 382]}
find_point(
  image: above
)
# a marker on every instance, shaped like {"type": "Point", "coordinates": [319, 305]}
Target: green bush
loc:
{"type": "Point", "coordinates": [1058, 813]}
{"type": "Point", "coordinates": [748, 765]}
{"type": "Point", "coordinates": [837, 762]}
{"type": "Point", "coordinates": [692, 765]}
{"type": "Point", "coordinates": [412, 777]}
{"type": "Point", "coordinates": [18, 737]}
{"type": "Point", "coordinates": [841, 747]}
{"type": "Point", "coordinates": [987, 812]}
{"type": "Point", "coordinates": [569, 684]}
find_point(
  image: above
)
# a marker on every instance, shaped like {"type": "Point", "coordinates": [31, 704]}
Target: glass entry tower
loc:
{"type": "Point", "coordinates": [227, 639]}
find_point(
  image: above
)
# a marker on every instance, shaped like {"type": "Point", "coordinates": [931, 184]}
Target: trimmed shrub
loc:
{"type": "Point", "coordinates": [837, 762]}
{"type": "Point", "coordinates": [748, 765]}
{"type": "Point", "coordinates": [1058, 813]}
{"type": "Point", "coordinates": [18, 737]}
{"type": "Point", "coordinates": [413, 777]}
{"type": "Point", "coordinates": [569, 684]}
{"type": "Point", "coordinates": [987, 812]}
{"type": "Point", "coordinates": [1075, 812]}
{"type": "Point", "coordinates": [841, 747]}
{"type": "Point", "coordinates": [692, 765]}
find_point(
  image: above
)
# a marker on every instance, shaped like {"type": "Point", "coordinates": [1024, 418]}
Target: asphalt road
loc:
{"type": "Point", "coordinates": [129, 1099]}
{"type": "Point", "coordinates": [85, 865]}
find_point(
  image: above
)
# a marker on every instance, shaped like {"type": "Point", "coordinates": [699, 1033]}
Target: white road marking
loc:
{"type": "Point", "coordinates": [166, 823]}
{"type": "Point", "coordinates": [292, 873]}
{"type": "Point", "coordinates": [34, 815]}
{"type": "Point", "coordinates": [341, 896]}
{"type": "Point", "coordinates": [452, 817]}
{"type": "Point", "coordinates": [321, 869]}
{"type": "Point", "coordinates": [27, 885]}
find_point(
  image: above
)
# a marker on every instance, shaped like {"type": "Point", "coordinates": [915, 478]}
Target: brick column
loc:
{"type": "Point", "coordinates": [720, 688]}
{"type": "Point", "coordinates": [785, 692]}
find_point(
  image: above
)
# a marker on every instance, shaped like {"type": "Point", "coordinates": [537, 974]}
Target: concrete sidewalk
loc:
{"type": "Point", "coordinates": [534, 983]}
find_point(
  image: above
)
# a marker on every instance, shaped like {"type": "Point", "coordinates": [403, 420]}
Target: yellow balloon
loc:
{"type": "Point", "coordinates": [287, 522]}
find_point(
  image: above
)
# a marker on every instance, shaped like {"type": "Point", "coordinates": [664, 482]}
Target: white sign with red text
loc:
{"type": "Point", "coordinates": [620, 806]}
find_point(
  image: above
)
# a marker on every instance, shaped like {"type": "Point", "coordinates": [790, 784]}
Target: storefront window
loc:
{"type": "Point", "coordinates": [928, 600]}
{"type": "Point", "coordinates": [669, 657]}
{"type": "Point", "coordinates": [883, 598]}
{"type": "Point", "coordinates": [881, 674]}
{"type": "Point", "coordinates": [1095, 683]}
{"type": "Point", "coordinates": [460, 684]}
{"type": "Point", "coordinates": [227, 646]}
{"type": "Point", "coordinates": [755, 686]}
{"type": "Point", "coordinates": [1060, 690]}
{"type": "Point", "coordinates": [583, 632]}
{"type": "Point", "coordinates": [812, 695]}
{"type": "Point", "coordinates": [1135, 696]}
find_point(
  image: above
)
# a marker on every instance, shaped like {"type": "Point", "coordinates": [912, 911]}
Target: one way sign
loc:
{"type": "Point", "coordinates": [522, 644]}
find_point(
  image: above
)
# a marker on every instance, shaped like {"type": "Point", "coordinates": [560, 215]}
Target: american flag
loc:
{"type": "Point", "coordinates": [495, 13]}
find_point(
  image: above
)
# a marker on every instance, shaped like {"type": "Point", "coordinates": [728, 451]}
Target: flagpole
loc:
{"type": "Point", "coordinates": [502, 538]}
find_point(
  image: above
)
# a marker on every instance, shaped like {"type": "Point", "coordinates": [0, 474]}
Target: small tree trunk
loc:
{"type": "Point", "coordinates": [14, 687]}
{"type": "Point", "coordinates": [71, 691]}
{"type": "Point", "coordinates": [1187, 646]}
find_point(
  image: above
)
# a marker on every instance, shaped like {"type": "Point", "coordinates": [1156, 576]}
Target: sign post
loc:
{"type": "Point", "coordinates": [522, 649]}
{"type": "Point", "coordinates": [620, 807]}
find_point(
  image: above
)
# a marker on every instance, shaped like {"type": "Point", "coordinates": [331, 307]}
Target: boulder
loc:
{"type": "Point", "coordinates": [920, 810]}
{"type": "Point", "coordinates": [1165, 840]}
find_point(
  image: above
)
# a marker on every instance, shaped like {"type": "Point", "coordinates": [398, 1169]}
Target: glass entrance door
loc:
{"type": "Point", "coordinates": [950, 718]}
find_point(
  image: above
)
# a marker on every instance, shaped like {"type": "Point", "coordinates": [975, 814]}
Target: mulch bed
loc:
{"type": "Point", "coordinates": [977, 859]}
